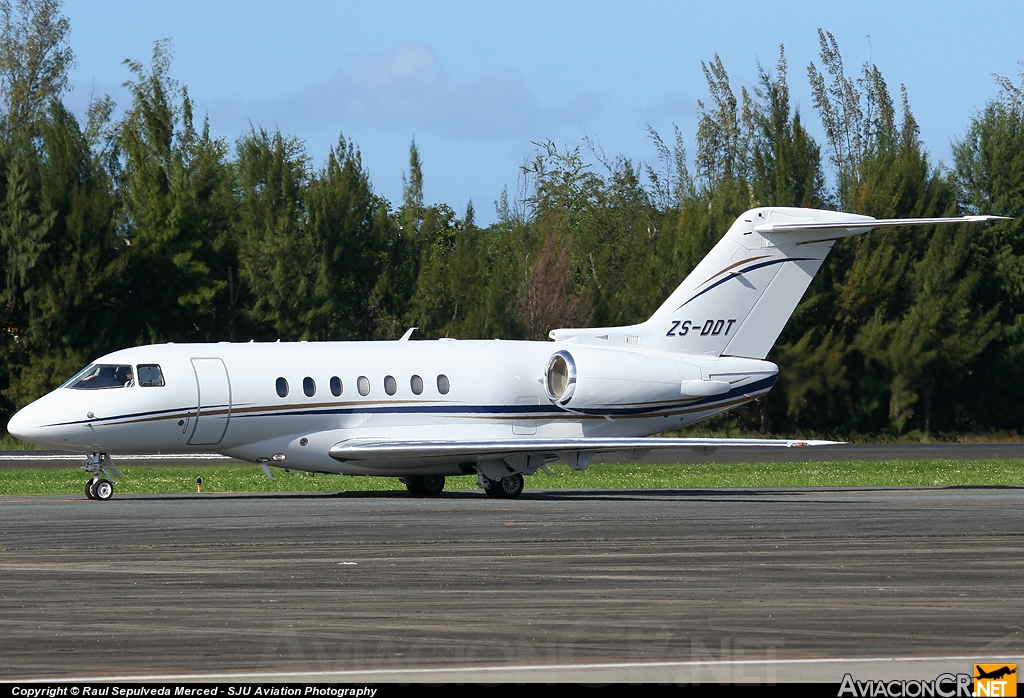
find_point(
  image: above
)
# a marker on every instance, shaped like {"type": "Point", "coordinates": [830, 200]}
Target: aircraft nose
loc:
{"type": "Point", "coordinates": [20, 425]}
{"type": "Point", "coordinates": [47, 422]}
{"type": "Point", "coordinates": [25, 423]}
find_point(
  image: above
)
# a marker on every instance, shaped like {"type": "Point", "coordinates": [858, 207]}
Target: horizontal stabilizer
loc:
{"type": "Point", "coordinates": [365, 449]}
{"type": "Point", "coordinates": [865, 224]}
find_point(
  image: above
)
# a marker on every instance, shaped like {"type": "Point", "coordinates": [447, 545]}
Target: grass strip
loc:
{"type": "Point", "coordinates": [240, 478]}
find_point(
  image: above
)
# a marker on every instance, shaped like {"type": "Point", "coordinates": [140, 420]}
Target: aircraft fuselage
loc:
{"type": "Point", "coordinates": [225, 398]}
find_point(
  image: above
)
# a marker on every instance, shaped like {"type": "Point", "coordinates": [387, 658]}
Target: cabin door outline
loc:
{"type": "Point", "coordinates": [213, 401]}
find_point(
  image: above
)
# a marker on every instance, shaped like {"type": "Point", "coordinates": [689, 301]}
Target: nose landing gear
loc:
{"type": "Point", "coordinates": [104, 472]}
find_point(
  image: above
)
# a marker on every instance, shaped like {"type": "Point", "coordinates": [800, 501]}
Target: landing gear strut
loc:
{"type": "Point", "coordinates": [425, 485]}
{"type": "Point", "coordinates": [104, 472]}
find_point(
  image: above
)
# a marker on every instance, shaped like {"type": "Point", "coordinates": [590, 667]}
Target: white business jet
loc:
{"type": "Point", "coordinates": [422, 410]}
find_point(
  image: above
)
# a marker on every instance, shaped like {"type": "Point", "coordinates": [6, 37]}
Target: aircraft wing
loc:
{"type": "Point", "coordinates": [353, 450]}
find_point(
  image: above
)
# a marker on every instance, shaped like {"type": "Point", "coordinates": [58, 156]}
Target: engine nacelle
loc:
{"type": "Point", "coordinates": [595, 379]}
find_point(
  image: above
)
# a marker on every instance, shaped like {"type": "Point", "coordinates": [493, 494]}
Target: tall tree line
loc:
{"type": "Point", "coordinates": [144, 228]}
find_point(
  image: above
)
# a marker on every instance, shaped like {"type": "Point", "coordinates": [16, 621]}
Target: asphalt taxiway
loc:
{"type": "Point", "coordinates": [643, 585]}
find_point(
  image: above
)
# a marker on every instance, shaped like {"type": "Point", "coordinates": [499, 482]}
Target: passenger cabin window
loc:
{"type": "Point", "coordinates": [390, 385]}
{"type": "Point", "coordinates": [336, 386]}
{"type": "Point", "coordinates": [282, 387]}
{"type": "Point", "coordinates": [150, 376]}
{"type": "Point", "coordinates": [443, 386]}
{"type": "Point", "coordinates": [416, 383]}
{"type": "Point", "coordinates": [363, 384]}
{"type": "Point", "coordinates": [96, 376]}
{"type": "Point", "coordinates": [308, 386]}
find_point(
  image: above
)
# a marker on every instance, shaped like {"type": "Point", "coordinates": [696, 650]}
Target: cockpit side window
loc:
{"type": "Point", "coordinates": [102, 376]}
{"type": "Point", "coordinates": [150, 376]}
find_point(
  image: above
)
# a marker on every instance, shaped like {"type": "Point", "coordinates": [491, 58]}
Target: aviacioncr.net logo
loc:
{"type": "Point", "coordinates": [942, 686]}
{"type": "Point", "coordinates": [995, 680]}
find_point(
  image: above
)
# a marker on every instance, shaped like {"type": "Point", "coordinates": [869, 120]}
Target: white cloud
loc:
{"type": "Point", "coordinates": [408, 88]}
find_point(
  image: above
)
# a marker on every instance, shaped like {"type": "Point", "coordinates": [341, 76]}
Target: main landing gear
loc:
{"type": "Point", "coordinates": [431, 485]}
{"type": "Point", "coordinates": [508, 487]}
{"type": "Point", "coordinates": [103, 470]}
{"type": "Point", "coordinates": [425, 485]}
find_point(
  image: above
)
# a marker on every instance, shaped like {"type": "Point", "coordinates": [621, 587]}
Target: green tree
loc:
{"type": "Point", "coordinates": [349, 233]}
{"type": "Point", "coordinates": [412, 212]}
{"type": "Point", "coordinates": [178, 200]}
{"type": "Point", "coordinates": [990, 178]}
{"type": "Point", "coordinates": [938, 336]}
{"type": "Point", "coordinates": [401, 238]}
{"type": "Point", "coordinates": [905, 302]}
{"type": "Point", "coordinates": [272, 173]}
{"type": "Point", "coordinates": [839, 105]}
{"type": "Point", "coordinates": [554, 251]}
{"type": "Point", "coordinates": [63, 257]}
{"type": "Point", "coordinates": [34, 61]}
{"type": "Point", "coordinates": [436, 301]}
{"type": "Point", "coordinates": [784, 162]}
{"type": "Point", "coordinates": [719, 145]}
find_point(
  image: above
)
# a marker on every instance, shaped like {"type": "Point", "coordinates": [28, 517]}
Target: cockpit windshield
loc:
{"type": "Point", "coordinates": [96, 376]}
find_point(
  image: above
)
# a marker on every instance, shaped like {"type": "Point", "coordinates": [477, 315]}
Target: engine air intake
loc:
{"type": "Point", "coordinates": [560, 377]}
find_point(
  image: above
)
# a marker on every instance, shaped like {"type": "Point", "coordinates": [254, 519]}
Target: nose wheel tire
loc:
{"type": "Point", "coordinates": [99, 489]}
{"type": "Point", "coordinates": [104, 490]}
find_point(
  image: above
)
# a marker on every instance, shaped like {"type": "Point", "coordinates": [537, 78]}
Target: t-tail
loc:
{"type": "Point", "coordinates": [737, 300]}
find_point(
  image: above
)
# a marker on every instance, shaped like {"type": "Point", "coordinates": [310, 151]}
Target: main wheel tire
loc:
{"type": "Point", "coordinates": [104, 490]}
{"type": "Point", "coordinates": [90, 489]}
{"type": "Point", "coordinates": [431, 485]}
{"type": "Point", "coordinates": [491, 487]}
{"type": "Point", "coordinates": [511, 486]}
{"type": "Point", "coordinates": [425, 485]}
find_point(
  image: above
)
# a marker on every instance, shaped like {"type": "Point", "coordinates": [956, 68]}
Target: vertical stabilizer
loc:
{"type": "Point", "coordinates": [738, 299]}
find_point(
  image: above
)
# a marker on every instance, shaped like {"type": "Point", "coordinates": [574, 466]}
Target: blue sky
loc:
{"type": "Point", "coordinates": [477, 83]}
